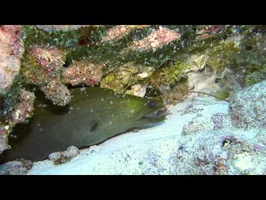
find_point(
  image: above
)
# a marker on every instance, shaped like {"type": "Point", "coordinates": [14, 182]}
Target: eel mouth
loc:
{"type": "Point", "coordinates": [154, 118]}
{"type": "Point", "coordinates": [157, 113]}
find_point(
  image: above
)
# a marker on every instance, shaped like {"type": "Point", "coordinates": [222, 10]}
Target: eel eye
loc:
{"type": "Point", "coordinates": [152, 104]}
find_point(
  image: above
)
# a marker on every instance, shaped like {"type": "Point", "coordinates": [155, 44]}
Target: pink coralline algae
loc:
{"type": "Point", "coordinates": [58, 27]}
{"type": "Point", "coordinates": [118, 32]}
{"type": "Point", "coordinates": [22, 110]}
{"type": "Point", "coordinates": [44, 68]}
{"type": "Point", "coordinates": [83, 72]}
{"type": "Point", "coordinates": [57, 92]}
{"type": "Point", "coordinates": [158, 38]}
{"type": "Point", "coordinates": [11, 50]}
{"type": "Point", "coordinates": [50, 60]}
{"type": "Point", "coordinates": [207, 32]}
{"type": "Point", "coordinates": [19, 114]}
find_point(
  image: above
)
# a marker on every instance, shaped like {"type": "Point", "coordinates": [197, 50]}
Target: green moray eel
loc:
{"type": "Point", "coordinates": [94, 115]}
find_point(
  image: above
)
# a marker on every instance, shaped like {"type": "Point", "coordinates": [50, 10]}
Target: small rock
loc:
{"type": "Point", "coordinates": [55, 156]}
{"type": "Point", "coordinates": [71, 152]}
{"type": "Point", "coordinates": [65, 156]}
{"type": "Point", "coordinates": [18, 167]}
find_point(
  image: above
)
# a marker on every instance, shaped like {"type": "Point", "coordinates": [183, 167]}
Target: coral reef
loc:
{"type": "Point", "coordinates": [83, 72]}
{"type": "Point", "coordinates": [20, 110]}
{"type": "Point", "coordinates": [176, 94]}
{"type": "Point", "coordinates": [247, 107]}
{"type": "Point", "coordinates": [167, 75]}
{"type": "Point", "coordinates": [158, 38]}
{"type": "Point", "coordinates": [23, 109]}
{"type": "Point", "coordinates": [43, 67]}
{"type": "Point", "coordinates": [118, 32]}
{"type": "Point", "coordinates": [11, 50]}
{"type": "Point", "coordinates": [57, 92]}
{"type": "Point", "coordinates": [4, 130]}
{"type": "Point", "coordinates": [126, 78]}
{"type": "Point", "coordinates": [58, 27]}
{"type": "Point", "coordinates": [171, 62]}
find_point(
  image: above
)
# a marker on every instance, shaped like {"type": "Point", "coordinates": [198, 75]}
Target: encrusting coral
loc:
{"type": "Point", "coordinates": [11, 51]}
{"type": "Point", "coordinates": [58, 27]}
{"type": "Point", "coordinates": [20, 110]}
{"type": "Point", "coordinates": [126, 78]}
{"type": "Point", "coordinates": [83, 72]}
{"type": "Point", "coordinates": [247, 108]}
{"type": "Point", "coordinates": [43, 67]}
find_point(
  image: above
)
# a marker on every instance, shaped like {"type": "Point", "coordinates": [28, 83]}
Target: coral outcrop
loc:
{"type": "Point", "coordinates": [43, 67]}
{"type": "Point", "coordinates": [11, 50]}
{"type": "Point", "coordinates": [83, 73]}
{"type": "Point", "coordinates": [248, 108]}
{"type": "Point", "coordinates": [18, 110]}
{"type": "Point", "coordinates": [58, 27]}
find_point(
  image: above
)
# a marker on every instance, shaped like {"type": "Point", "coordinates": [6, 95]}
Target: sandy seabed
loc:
{"type": "Point", "coordinates": [196, 138]}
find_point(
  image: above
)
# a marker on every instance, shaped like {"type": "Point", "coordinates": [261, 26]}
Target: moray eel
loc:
{"type": "Point", "coordinates": [94, 115]}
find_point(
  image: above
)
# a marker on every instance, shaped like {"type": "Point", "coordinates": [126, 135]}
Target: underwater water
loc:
{"type": "Point", "coordinates": [133, 99]}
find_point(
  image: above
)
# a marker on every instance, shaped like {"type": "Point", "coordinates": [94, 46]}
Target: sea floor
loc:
{"type": "Point", "coordinates": [196, 138]}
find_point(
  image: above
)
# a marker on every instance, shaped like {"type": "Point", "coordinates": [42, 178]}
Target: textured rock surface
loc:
{"type": "Point", "coordinates": [58, 27]}
{"type": "Point", "coordinates": [11, 50]}
{"type": "Point", "coordinates": [43, 68]}
{"type": "Point", "coordinates": [248, 108]}
{"type": "Point", "coordinates": [65, 156]}
{"type": "Point", "coordinates": [15, 167]}
{"type": "Point", "coordinates": [83, 72]}
{"type": "Point", "coordinates": [19, 113]}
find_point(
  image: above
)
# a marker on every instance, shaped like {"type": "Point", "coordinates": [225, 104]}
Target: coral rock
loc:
{"type": "Point", "coordinates": [4, 128]}
{"type": "Point", "coordinates": [126, 77]}
{"type": "Point", "coordinates": [15, 167]}
{"type": "Point", "coordinates": [43, 68]}
{"type": "Point", "coordinates": [248, 107]}
{"type": "Point", "coordinates": [11, 50]}
{"type": "Point", "coordinates": [23, 109]}
{"type": "Point", "coordinates": [58, 27]}
{"type": "Point", "coordinates": [20, 112]}
{"type": "Point", "coordinates": [57, 92]}
{"type": "Point", "coordinates": [118, 32]}
{"type": "Point", "coordinates": [83, 72]}
{"type": "Point", "coordinates": [65, 156]}
{"type": "Point", "coordinates": [156, 39]}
